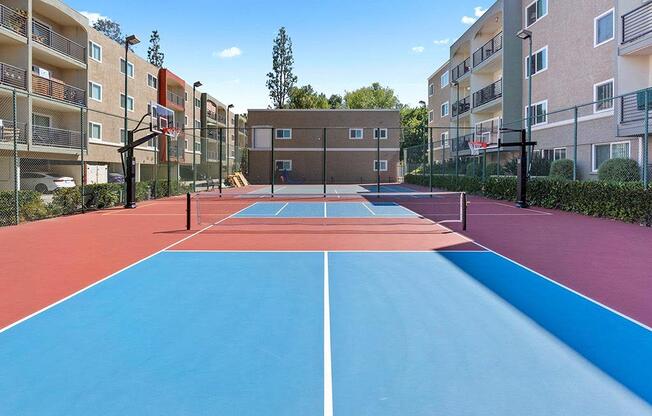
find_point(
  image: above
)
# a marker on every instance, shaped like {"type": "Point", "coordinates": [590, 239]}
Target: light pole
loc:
{"type": "Point", "coordinates": [228, 137]}
{"type": "Point", "coordinates": [131, 162]}
{"type": "Point", "coordinates": [457, 132]}
{"type": "Point", "coordinates": [194, 139]}
{"type": "Point", "coordinates": [527, 35]}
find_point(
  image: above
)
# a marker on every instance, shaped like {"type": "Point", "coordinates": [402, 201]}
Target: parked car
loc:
{"type": "Point", "coordinates": [116, 178]}
{"type": "Point", "coordinates": [45, 182]}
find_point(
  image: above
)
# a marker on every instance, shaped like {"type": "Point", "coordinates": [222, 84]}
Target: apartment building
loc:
{"type": "Point", "coordinates": [439, 107]}
{"type": "Point", "coordinates": [297, 137]}
{"type": "Point", "coordinates": [581, 53]}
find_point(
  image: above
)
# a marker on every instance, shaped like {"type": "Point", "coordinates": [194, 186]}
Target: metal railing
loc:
{"type": "Point", "coordinates": [632, 107]}
{"type": "Point", "coordinates": [176, 99]}
{"type": "Point", "coordinates": [58, 90]}
{"type": "Point", "coordinates": [460, 70]}
{"type": "Point", "coordinates": [53, 40]}
{"type": "Point", "coordinates": [464, 105]}
{"type": "Point", "coordinates": [12, 20]}
{"type": "Point", "coordinates": [488, 94]}
{"type": "Point", "coordinates": [51, 137]}
{"type": "Point", "coordinates": [462, 143]}
{"type": "Point", "coordinates": [7, 131]}
{"type": "Point", "coordinates": [488, 49]}
{"type": "Point", "coordinates": [211, 114]}
{"type": "Point", "coordinates": [221, 118]}
{"type": "Point", "coordinates": [13, 76]}
{"type": "Point", "coordinates": [637, 23]}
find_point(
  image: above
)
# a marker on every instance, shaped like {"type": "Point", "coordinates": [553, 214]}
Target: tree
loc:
{"type": "Point", "coordinates": [336, 101]}
{"type": "Point", "coordinates": [414, 121]}
{"type": "Point", "coordinates": [154, 54]}
{"type": "Point", "coordinates": [373, 97]}
{"type": "Point", "coordinates": [306, 97]}
{"type": "Point", "coordinates": [111, 29]}
{"type": "Point", "coordinates": [281, 80]}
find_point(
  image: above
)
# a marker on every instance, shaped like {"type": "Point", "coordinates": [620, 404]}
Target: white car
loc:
{"type": "Point", "coordinates": [44, 182]}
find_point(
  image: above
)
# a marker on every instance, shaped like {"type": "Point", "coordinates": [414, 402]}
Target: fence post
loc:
{"type": "Point", "coordinates": [16, 169]}
{"type": "Point", "coordinates": [378, 156]}
{"type": "Point", "coordinates": [81, 150]}
{"type": "Point", "coordinates": [457, 152]}
{"type": "Point", "coordinates": [575, 134]}
{"type": "Point", "coordinates": [431, 152]}
{"type": "Point", "coordinates": [219, 145]}
{"type": "Point", "coordinates": [324, 175]}
{"type": "Point", "coordinates": [169, 167]}
{"type": "Point", "coordinates": [646, 137]}
{"type": "Point", "coordinates": [273, 163]}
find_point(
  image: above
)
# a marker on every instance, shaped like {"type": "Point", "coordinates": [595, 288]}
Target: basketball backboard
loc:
{"type": "Point", "coordinates": [160, 117]}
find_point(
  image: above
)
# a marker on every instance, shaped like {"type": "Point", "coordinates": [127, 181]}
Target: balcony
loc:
{"type": "Point", "coordinates": [212, 114]}
{"type": "Point", "coordinates": [464, 106]}
{"type": "Point", "coordinates": [221, 118]}
{"type": "Point", "coordinates": [488, 50]}
{"type": "Point", "coordinates": [461, 70]}
{"type": "Point", "coordinates": [488, 94]}
{"type": "Point", "coordinates": [462, 142]}
{"type": "Point", "coordinates": [13, 76]}
{"type": "Point", "coordinates": [45, 36]}
{"type": "Point", "coordinates": [7, 131]}
{"type": "Point", "coordinates": [175, 99]}
{"type": "Point", "coordinates": [12, 20]}
{"type": "Point", "coordinates": [637, 23]}
{"type": "Point", "coordinates": [51, 137]}
{"type": "Point", "coordinates": [58, 90]}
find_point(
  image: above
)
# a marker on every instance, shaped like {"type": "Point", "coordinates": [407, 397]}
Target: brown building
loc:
{"type": "Point", "coordinates": [298, 138]}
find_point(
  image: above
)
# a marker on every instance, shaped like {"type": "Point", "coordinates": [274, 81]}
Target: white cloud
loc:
{"type": "Point", "coordinates": [93, 16]}
{"type": "Point", "coordinates": [441, 41]}
{"type": "Point", "coordinates": [418, 49]}
{"type": "Point", "coordinates": [231, 52]}
{"type": "Point", "coordinates": [477, 12]}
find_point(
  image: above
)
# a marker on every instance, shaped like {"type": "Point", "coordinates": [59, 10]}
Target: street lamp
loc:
{"type": "Point", "coordinates": [131, 163]}
{"type": "Point", "coordinates": [194, 127]}
{"type": "Point", "coordinates": [524, 34]}
{"type": "Point", "coordinates": [228, 135]}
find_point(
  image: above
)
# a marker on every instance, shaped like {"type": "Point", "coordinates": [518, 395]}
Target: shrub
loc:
{"type": "Point", "coordinates": [142, 191]}
{"type": "Point", "coordinates": [539, 166]}
{"type": "Point", "coordinates": [102, 195]}
{"type": "Point", "coordinates": [494, 168]}
{"type": "Point", "coordinates": [619, 170]}
{"type": "Point", "coordinates": [562, 169]}
{"type": "Point", "coordinates": [30, 207]}
{"type": "Point", "coordinates": [474, 169]}
{"type": "Point", "coordinates": [66, 201]}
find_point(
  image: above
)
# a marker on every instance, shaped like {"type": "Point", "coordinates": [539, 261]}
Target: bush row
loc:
{"type": "Point", "coordinates": [625, 201]}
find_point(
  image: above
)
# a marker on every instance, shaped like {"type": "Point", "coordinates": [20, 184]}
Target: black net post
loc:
{"type": "Point", "coordinates": [188, 207]}
{"type": "Point", "coordinates": [273, 163]}
{"type": "Point", "coordinates": [324, 173]}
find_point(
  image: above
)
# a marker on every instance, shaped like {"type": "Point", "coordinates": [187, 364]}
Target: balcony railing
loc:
{"type": "Point", "coordinates": [221, 118]}
{"type": "Point", "coordinates": [175, 99]}
{"type": "Point", "coordinates": [632, 107]}
{"type": "Point", "coordinates": [488, 50]}
{"type": "Point", "coordinates": [13, 76]}
{"type": "Point", "coordinates": [461, 70]}
{"type": "Point", "coordinates": [13, 20]}
{"type": "Point", "coordinates": [7, 132]}
{"type": "Point", "coordinates": [58, 90]}
{"type": "Point", "coordinates": [463, 105]}
{"type": "Point", "coordinates": [462, 142]}
{"type": "Point", "coordinates": [488, 94]}
{"type": "Point", "coordinates": [51, 137]}
{"type": "Point", "coordinates": [45, 36]}
{"type": "Point", "coordinates": [637, 23]}
{"type": "Point", "coordinates": [211, 114]}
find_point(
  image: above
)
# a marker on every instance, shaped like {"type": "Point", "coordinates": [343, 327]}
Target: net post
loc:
{"type": "Point", "coordinates": [273, 164]}
{"type": "Point", "coordinates": [463, 203]}
{"type": "Point", "coordinates": [188, 211]}
{"type": "Point", "coordinates": [324, 163]}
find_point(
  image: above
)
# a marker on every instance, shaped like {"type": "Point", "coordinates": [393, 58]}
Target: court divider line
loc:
{"type": "Point", "coordinates": [331, 251]}
{"type": "Point", "coordinates": [84, 289]}
{"type": "Point", "coordinates": [282, 208]}
{"type": "Point", "coordinates": [365, 205]}
{"type": "Point", "coordinates": [328, 362]}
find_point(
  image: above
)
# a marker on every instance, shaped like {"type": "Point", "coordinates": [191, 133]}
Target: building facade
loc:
{"type": "Point", "coordinates": [298, 138]}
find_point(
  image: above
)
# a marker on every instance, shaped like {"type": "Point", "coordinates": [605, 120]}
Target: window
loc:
{"type": "Point", "coordinates": [123, 136]}
{"type": "Point", "coordinates": [94, 131]}
{"type": "Point", "coordinates": [431, 90]}
{"type": "Point", "coordinates": [283, 134]}
{"type": "Point", "coordinates": [539, 63]}
{"type": "Point", "coordinates": [431, 116]}
{"type": "Point", "coordinates": [197, 146]}
{"type": "Point", "coordinates": [382, 165]}
{"type": "Point", "coordinates": [603, 94]}
{"type": "Point", "coordinates": [130, 68]}
{"type": "Point", "coordinates": [356, 134]}
{"type": "Point", "coordinates": [95, 91]}
{"type": "Point", "coordinates": [604, 28]}
{"type": "Point", "coordinates": [444, 79]}
{"type": "Point", "coordinates": [383, 134]}
{"type": "Point", "coordinates": [185, 120]}
{"type": "Point", "coordinates": [560, 153]}
{"type": "Point", "coordinates": [444, 139]}
{"type": "Point", "coordinates": [130, 102]}
{"type": "Point", "coordinates": [185, 95]}
{"type": "Point", "coordinates": [197, 124]}
{"type": "Point", "coordinates": [41, 120]}
{"type": "Point", "coordinates": [284, 165]}
{"type": "Point", "coordinates": [95, 51]}
{"type": "Point", "coordinates": [535, 11]}
{"type": "Point", "coordinates": [539, 115]}
{"type": "Point", "coordinates": [197, 103]}
{"type": "Point", "coordinates": [444, 109]}
{"type": "Point", "coordinates": [604, 152]}
{"type": "Point", "coordinates": [152, 81]}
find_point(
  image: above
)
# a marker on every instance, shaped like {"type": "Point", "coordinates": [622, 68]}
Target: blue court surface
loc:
{"type": "Point", "coordinates": [300, 333]}
{"type": "Point", "coordinates": [325, 210]}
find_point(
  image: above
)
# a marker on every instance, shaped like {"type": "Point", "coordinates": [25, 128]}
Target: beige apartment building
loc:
{"type": "Point", "coordinates": [290, 145]}
{"type": "Point", "coordinates": [581, 54]}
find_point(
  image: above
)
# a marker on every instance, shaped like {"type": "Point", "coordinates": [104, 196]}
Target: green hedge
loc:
{"type": "Point", "coordinates": [619, 170]}
{"type": "Point", "coordinates": [30, 204]}
{"type": "Point", "coordinates": [562, 169]}
{"type": "Point", "coordinates": [628, 201]}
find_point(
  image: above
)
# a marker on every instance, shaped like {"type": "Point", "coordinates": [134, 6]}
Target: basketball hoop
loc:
{"type": "Point", "coordinates": [171, 132]}
{"type": "Point", "coordinates": [476, 146]}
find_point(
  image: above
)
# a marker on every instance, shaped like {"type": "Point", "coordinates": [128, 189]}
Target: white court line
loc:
{"type": "Point", "coordinates": [330, 251]}
{"type": "Point", "coordinates": [365, 205]}
{"type": "Point", "coordinates": [328, 363]}
{"type": "Point", "coordinates": [325, 210]}
{"type": "Point", "coordinates": [282, 208]}
{"type": "Point", "coordinates": [529, 209]}
{"type": "Point", "coordinates": [116, 273]}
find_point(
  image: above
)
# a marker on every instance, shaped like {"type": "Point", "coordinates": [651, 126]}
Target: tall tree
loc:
{"type": "Point", "coordinates": [306, 97]}
{"type": "Point", "coordinates": [111, 29]}
{"type": "Point", "coordinates": [281, 79]}
{"type": "Point", "coordinates": [373, 97]}
{"type": "Point", "coordinates": [336, 101]}
{"type": "Point", "coordinates": [154, 54]}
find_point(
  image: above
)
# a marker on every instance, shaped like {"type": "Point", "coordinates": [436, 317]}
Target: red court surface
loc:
{"type": "Point", "coordinates": [46, 261]}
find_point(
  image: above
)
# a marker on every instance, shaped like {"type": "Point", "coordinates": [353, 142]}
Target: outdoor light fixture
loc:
{"type": "Point", "coordinates": [197, 84]}
{"type": "Point", "coordinates": [132, 40]}
{"type": "Point", "coordinates": [524, 34]}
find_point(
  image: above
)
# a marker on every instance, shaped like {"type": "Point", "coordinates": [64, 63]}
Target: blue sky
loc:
{"type": "Point", "coordinates": [338, 45]}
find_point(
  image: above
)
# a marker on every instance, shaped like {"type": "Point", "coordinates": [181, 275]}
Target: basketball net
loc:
{"type": "Point", "coordinates": [476, 146]}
